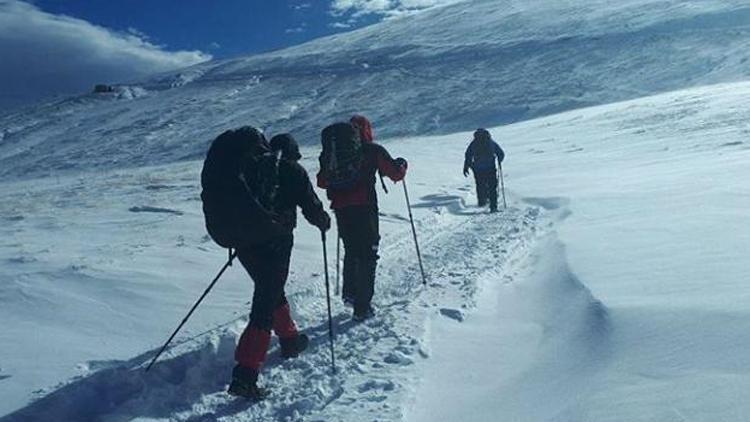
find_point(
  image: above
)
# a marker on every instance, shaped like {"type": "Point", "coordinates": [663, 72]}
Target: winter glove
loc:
{"type": "Point", "coordinates": [401, 162]}
{"type": "Point", "coordinates": [466, 172]}
{"type": "Point", "coordinates": [323, 222]}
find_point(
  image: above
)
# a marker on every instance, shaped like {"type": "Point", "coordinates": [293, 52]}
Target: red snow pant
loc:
{"type": "Point", "coordinates": [268, 266]}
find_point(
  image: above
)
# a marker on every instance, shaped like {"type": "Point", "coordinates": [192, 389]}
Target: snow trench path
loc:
{"type": "Point", "coordinates": [375, 360]}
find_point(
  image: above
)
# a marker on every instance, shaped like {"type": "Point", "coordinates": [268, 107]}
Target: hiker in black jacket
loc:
{"type": "Point", "coordinates": [480, 158]}
{"type": "Point", "coordinates": [263, 236]}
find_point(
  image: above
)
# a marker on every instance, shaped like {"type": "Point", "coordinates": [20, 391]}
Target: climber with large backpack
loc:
{"type": "Point", "coordinates": [480, 157]}
{"type": "Point", "coordinates": [250, 198]}
{"type": "Point", "coordinates": [348, 165]}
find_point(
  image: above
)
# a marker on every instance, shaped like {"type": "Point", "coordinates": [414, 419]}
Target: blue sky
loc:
{"type": "Point", "coordinates": [221, 28]}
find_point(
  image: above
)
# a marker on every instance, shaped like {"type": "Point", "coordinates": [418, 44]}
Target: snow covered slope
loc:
{"type": "Point", "coordinates": [613, 288]}
{"type": "Point", "coordinates": [654, 201]}
{"type": "Point", "coordinates": [463, 65]}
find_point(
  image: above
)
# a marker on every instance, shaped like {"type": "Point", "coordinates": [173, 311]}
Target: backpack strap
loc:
{"type": "Point", "coordinates": [382, 182]}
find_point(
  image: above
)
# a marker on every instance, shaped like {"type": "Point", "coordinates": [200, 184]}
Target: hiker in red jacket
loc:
{"type": "Point", "coordinates": [348, 175]}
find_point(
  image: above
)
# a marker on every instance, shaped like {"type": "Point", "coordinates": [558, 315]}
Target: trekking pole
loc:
{"type": "Point", "coordinates": [232, 255]}
{"type": "Point", "coordinates": [502, 185]}
{"type": "Point", "coordinates": [328, 300]}
{"type": "Point", "coordinates": [338, 262]}
{"type": "Point", "coordinates": [414, 232]}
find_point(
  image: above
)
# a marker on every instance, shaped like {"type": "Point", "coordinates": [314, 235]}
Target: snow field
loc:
{"type": "Point", "coordinates": [655, 226]}
{"type": "Point", "coordinates": [375, 359]}
{"type": "Point", "coordinates": [624, 247]}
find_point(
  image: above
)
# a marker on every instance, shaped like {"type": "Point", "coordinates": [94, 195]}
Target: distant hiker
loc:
{"type": "Point", "coordinates": [348, 164]}
{"type": "Point", "coordinates": [250, 199]}
{"type": "Point", "coordinates": [480, 158]}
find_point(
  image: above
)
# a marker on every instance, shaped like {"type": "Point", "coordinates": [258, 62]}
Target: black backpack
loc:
{"type": "Point", "coordinates": [484, 150]}
{"type": "Point", "coordinates": [240, 180]}
{"type": "Point", "coordinates": [342, 155]}
{"type": "Point", "coordinates": [483, 145]}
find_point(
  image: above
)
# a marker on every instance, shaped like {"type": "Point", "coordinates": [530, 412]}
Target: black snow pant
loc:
{"type": "Point", "coordinates": [358, 227]}
{"type": "Point", "coordinates": [268, 266]}
{"type": "Point", "coordinates": [486, 181]}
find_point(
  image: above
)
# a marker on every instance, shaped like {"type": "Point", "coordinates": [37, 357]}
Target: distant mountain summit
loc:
{"type": "Point", "coordinates": [446, 69]}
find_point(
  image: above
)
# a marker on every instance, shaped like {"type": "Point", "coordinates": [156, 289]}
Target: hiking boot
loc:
{"type": "Point", "coordinates": [292, 347]}
{"type": "Point", "coordinates": [493, 210]}
{"type": "Point", "coordinates": [360, 316]}
{"type": "Point", "coordinates": [244, 384]}
{"type": "Point", "coordinates": [246, 390]}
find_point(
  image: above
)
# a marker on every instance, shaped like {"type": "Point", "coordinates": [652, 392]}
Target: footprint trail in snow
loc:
{"type": "Point", "coordinates": [375, 360]}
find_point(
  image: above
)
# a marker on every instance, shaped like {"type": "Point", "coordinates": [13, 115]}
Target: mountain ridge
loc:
{"type": "Point", "coordinates": [427, 73]}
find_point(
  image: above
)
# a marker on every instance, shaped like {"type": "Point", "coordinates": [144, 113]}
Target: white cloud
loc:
{"type": "Point", "coordinates": [138, 33]}
{"type": "Point", "coordinates": [301, 6]}
{"type": "Point", "coordinates": [45, 55]}
{"type": "Point", "coordinates": [382, 7]}
{"type": "Point", "coordinates": [298, 29]}
{"type": "Point", "coordinates": [340, 25]}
